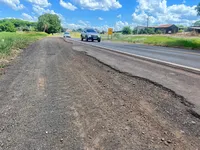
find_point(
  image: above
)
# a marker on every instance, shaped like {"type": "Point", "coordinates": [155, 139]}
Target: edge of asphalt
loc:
{"type": "Point", "coordinates": [195, 111]}
{"type": "Point", "coordinates": [169, 64]}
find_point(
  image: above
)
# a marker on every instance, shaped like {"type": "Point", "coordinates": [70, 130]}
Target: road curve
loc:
{"type": "Point", "coordinates": [187, 58]}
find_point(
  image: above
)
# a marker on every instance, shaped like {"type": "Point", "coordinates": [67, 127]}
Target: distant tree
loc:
{"type": "Point", "coordinates": [150, 30]}
{"type": "Point", "coordinates": [126, 30]}
{"type": "Point", "coordinates": [63, 29]}
{"type": "Point", "coordinates": [143, 31]}
{"type": "Point", "coordinates": [197, 23]}
{"type": "Point", "coordinates": [7, 26]}
{"type": "Point", "coordinates": [19, 24]}
{"type": "Point", "coordinates": [198, 9]}
{"type": "Point", "coordinates": [102, 32]}
{"type": "Point", "coordinates": [49, 23]}
{"type": "Point", "coordinates": [134, 31]}
{"type": "Point", "coordinates": [79, 30]}
{"type": "Point", "coordinates": [181, 26]}
{"type": "Point", "coordinates": [158, 32]}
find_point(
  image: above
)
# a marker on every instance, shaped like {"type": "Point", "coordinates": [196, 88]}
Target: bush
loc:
{"type": "Point", "coordinates": [126, 30]}
{"type": "Point", "coordinates": [134, 31]}
{"type": "Point", "coordinates": [150, 31]}
{"type": "Point", "coordinates": [158, 32]}
{"type": "Point", "coordinates": [7, 26]}
{"type": "Point", "coordinates": [180, 31]}
{"type": "Point", "coordinates": [117, 35]}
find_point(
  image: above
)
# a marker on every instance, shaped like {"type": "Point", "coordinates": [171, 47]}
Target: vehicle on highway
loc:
{"type": "Point", "coordinates": [67, 35]}
{"type": "Point", "coordinates": [90, 34]}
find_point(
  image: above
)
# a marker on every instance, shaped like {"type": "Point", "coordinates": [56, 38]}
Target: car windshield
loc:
{"type": "Point", "coordinates": [90, 30]}
{"type": "Point", "coordinates": [66, 32]}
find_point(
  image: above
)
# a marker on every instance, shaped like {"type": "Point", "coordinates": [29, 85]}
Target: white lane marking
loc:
{"type": "Point", "coordinates": [195, 70]}
{"type": "Point", "coordinates": [176, 51]}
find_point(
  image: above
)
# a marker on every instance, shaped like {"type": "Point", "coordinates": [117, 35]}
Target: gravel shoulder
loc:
{"type": "Point", "coordinates": [56, 97]}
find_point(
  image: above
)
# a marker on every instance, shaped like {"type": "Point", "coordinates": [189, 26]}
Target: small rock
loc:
{"type": "Point", "coordinates": [182, 131]}
{"type": "Point", "coordinates": [46, 132]}
{"type": "Point", "coordinates": [165, 132]}
{"type": "Point", "coordinates": [166, 143]}
{"type": "Point", "coordinates": [142, 132]}
{"type": "Point", "coordinates": [61, 140]}
{"type": "Point", "coordinates": [2, 144]}
{"type": "Point", "coordinates": [169, 141]}
{"type": "Point", "coordinates": [193, 122]}
{"type": "Point", "coordinates": [162, 139]}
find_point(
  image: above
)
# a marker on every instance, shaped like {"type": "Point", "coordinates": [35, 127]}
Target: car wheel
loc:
{"type": "Point", "coordinates": [81, 38]}
{"type": "Point", "coordinates": [99, 40]}
{"type": "Point", "coordinates": [92, 40]}
{"type": "Point", "coordinates": [87, 39]}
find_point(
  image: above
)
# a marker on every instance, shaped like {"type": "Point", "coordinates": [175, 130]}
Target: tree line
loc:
{"type": "Point", "coordinates": [128, 30]}
{"type": "Point", "coordinates": [49, 23]}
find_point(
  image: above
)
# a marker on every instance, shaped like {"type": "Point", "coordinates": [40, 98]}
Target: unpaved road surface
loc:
{"type": "Point", "coordinates": [54, 98]}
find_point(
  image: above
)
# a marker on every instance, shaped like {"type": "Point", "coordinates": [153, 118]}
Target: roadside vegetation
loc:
{"type": "Point", "coordinates": [12, 43]}
{"type": "Point", "coordinates": [16, 34]}
{"type": "Point", "coordinates": [75, 34]}
{"type": "Point", "coordinates": [158, 40]}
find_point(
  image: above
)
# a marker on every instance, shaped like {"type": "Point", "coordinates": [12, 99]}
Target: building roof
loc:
{"type": "Point", "coordinates": [197, 28]}
{"type": "Point", "coordinates": [165, 26]}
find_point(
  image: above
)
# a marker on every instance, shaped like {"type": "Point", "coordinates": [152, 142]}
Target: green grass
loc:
{"type": "Point", "coordinates": [75, 34]}
{"type": "Point", "coordinates": [14, 41]}
{"type": "Point", "coordinates": [158, 40]}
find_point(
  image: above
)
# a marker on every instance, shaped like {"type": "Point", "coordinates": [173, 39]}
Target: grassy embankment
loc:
{"type": "Point", "coordinates": [12, 43]}
{"type": "Point", "coordinates": [158, 40]}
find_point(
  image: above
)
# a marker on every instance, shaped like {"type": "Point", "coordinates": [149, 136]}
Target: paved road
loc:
{"type": "Point", "coordinates": [183, 57]}
{"type": "Point", "coordinates": [56, 98]}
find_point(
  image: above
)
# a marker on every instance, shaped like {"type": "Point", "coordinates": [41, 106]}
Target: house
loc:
{"type": "Point", "coordinates": [167, 28]}
{"type": "Point", "coordinates": [196, 29]}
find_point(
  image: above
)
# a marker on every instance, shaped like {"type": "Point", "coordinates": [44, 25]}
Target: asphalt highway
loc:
{"type": "Point", "coordinates": [188, 58]}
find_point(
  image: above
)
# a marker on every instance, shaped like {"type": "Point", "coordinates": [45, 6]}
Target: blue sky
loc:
{"type": "Point", "coordinates": [103, 13]}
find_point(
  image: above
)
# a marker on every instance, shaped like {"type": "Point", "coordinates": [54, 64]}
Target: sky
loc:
{"type": "Point", "coordinates": [102, 14]}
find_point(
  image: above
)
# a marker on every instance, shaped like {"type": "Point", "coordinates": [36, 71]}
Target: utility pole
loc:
{"type": "Point", "coordinates": [148, 21]}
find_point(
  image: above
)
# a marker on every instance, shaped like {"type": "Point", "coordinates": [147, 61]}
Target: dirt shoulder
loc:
{"type": "Point", "coordinates": [59, 98]}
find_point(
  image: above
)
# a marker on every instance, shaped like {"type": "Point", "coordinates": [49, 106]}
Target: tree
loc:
{"type": "Point", "coordinates": [150, 30]}
{"type": "Point", "coordinates": [197, 23]}
{"type": "Point", "coordinates": [158, 32]}
{"type": "Point", "coordinates": [126, 30]}
{"type": "Point", "coordinates": [198, 9]}
{"type": "Point", "coordinates": [7, 26]}
{"type": "Point", "coordinates": [134, 31]}
{"type": "Point", "coordinates": [49, 23]}
{"type": "Point", "coordinates": [79, 30]}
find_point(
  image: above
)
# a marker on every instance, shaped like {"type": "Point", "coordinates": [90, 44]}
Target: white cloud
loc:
{"type": "Point", "coordinates": [67, 5]}
{"type": "Point", "coordinates": [119, 25]}
{"type": "Point", "coordinates": [40, 11]}
{"type": "Point", "coordinates": [14, 4]}
{"type": "Point", "coordinates": [119, 16]}
{"type": "Point", "coordinates": [98, 4]}
{"type": "Point", "coordinates": [100, 18]}
{"type": "Point", "coordinates": [27, 17]}
{"type": "Point", "coordinates": [160, 13]}
{"type": "Point", "coordinates": [84, 23]}
{"type": "Point", "coordinates": [42, 3]}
